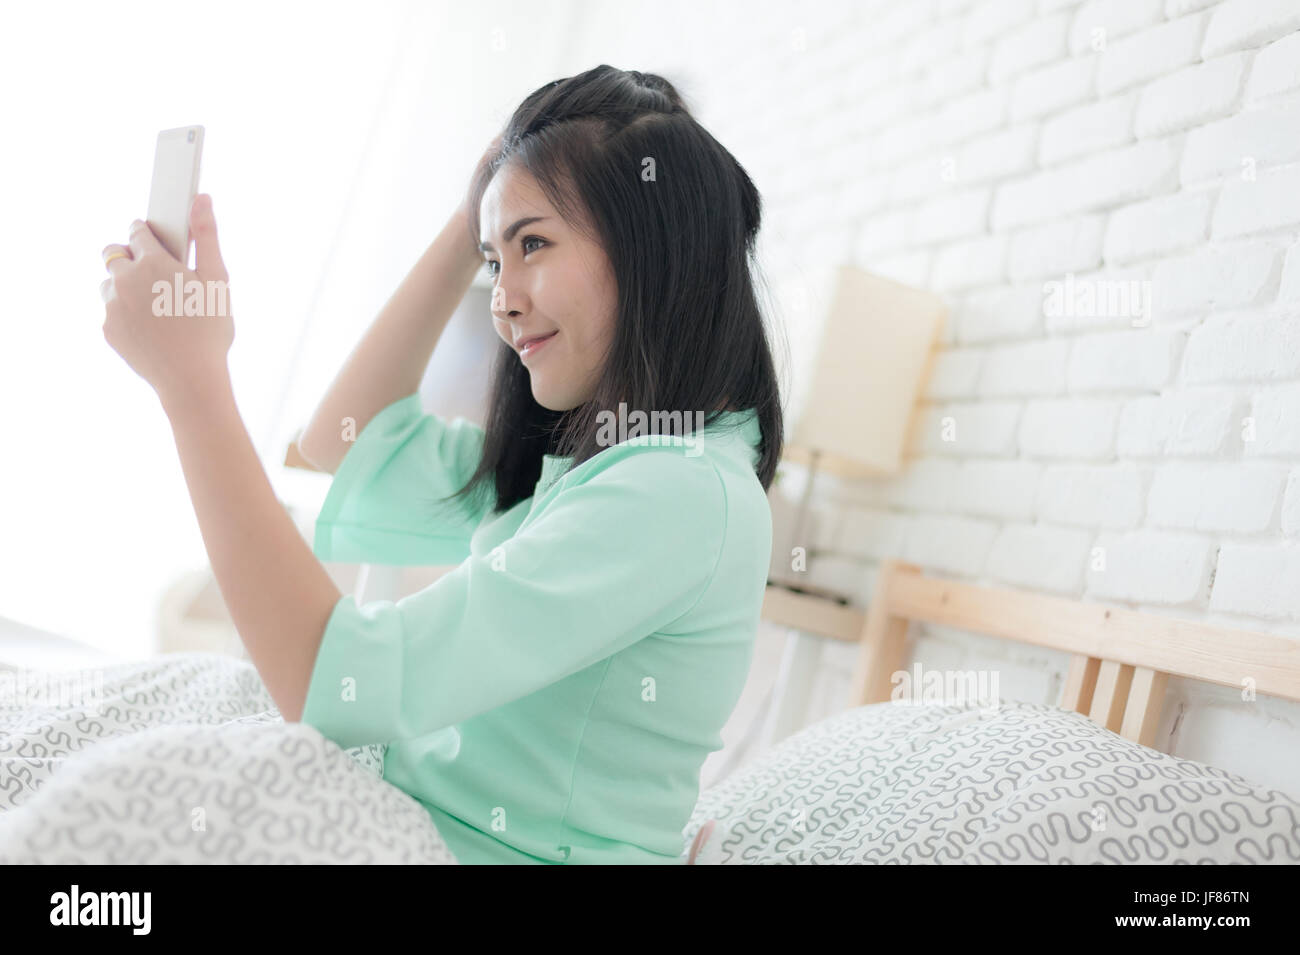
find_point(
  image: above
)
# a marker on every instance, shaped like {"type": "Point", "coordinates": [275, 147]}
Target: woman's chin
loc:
{"type": "Point", "coordinates": [552, 400]}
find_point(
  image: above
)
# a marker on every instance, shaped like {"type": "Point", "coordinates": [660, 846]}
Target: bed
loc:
{"type": "Point", "coordinates": [184, 759]}
{"type": "Point", "coordinates": [985, 782]}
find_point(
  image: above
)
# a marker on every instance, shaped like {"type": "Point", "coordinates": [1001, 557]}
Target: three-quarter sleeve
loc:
{"type": "Point", "coordinates": [382, 505]}
{"type": "Point", "coordinates": [602, 564]}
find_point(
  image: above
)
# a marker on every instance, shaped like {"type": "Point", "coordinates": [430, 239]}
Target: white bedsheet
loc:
{"type": "Point", "coordinates": [185, 759]}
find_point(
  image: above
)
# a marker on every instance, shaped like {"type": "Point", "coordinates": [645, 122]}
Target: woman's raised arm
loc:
{"type": "Point", "coordinates": [390, 359]}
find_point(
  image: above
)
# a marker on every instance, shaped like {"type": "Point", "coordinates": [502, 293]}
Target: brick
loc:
{"type": "Point", "coordinates": [876, 109]}
{"type": "Point", "coordinates": [909, 268]}
{"type": "Point", "coordinates": [1096, 301]}
{"type": "Point", "coordinates": [1247, 579]}
{"type": "Point", "coordinates": [970, 263]}
{"type": "Point", "coordinates": [1108, 496]}
{"type": "Point", "coordinates": [1178, 8]}
{"type": "Point", "coordinates": [1151, 53]}
{"type": "Point", "coordinates": [1275, 414]}
{"type": "Point", "coordinates": [1025, 368]}
{"type": "Point", "coordinates": [1270, 202]}
{"type": "Point", "coordinates": [1040, 558]}
{"type": "Point", "coordinates": [990, 18]}
{"type": "Point", "coordinates": [1276, 69]}
{"type": "Point", "coordinates": [954, 76]}
{"type": "Point", "coordinates": [993, 488]}
{"type": "Point", "coordinates": [1190, 97]}
{"type": "Point", "coordinates": [863, 194]}
{"type": "Point", "coordinates": [826, 243]}
{"type": "Point", "coordinates": [979, 112]}
{"type": "Point", "coordinates": [1053, 88]}
{"type": "Point", "coordinates": [839, 574]}
{"type": "Point", "coordinates": [1225, 496]}
{"type": "Point", "coordinates": [1239, 24]}
{"type": "Point", "coordinates": [903, 139]}
{"type": "Point", "coordinates": [883, 233]}
{"type": "Point", "coordinates": [1184, 423]}
{"type": "Point", "coordinates": [872, 533]}
{"type": "Point", "coordinates": [938, 40]}
{"type": "Point", "coordinates": [867, 73]}
{"type": "Point", "coordinates": [1157, 567]}
{"type": "Point", "coordinates": [1069, 428]}
{"type": "Point", "coordinates": [1291, 505]}
{"type": "Point", "coordinates": [1135, 360]}
{"type": "Point", "coordinates": [1106, 179]}
{"type": "Point", "coordinates": [1041, 40]}
{"type": "Point", "coordinates": [1215, 276]}
{"type": "Point", "coordinates": [1156, 227]}
{"type": "Point", "coordinates": [1009, 152]}
{"type": "Point", "coordinates": [1088, 129]}
{"type": "Point", "coordinates": [952, 216]}
{"type": "Point", "coordinates": [954, 545]}
{"type": "Point", "coordinates": [1289, 294]}
{"type": "Point", "coordinates": [1071, 245]}
{"type": "Point", "coordinates": [963, 429]}
{"type": "Point", "coordinates": [925, 484]}
{"type": "Point", "coordinates": [1266, 136]}
{"type": "Point", "coordinates": [924, 176]}
{"type": "Point", "coordinates": [1113, 18]}
{"type": "Point", "coordinates": [1244, 346]}
{"type": "Point", "coordinates": [1001, 313]}
{"type": "Point", "coordinates": [955, 373]}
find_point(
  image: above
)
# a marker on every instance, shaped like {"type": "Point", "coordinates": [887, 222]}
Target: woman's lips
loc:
{"type": "Point", "coordinates": [528, 349]}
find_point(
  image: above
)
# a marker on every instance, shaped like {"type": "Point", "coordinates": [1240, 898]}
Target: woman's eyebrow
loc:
{"type": "Point", "coordinates": [486, 246]}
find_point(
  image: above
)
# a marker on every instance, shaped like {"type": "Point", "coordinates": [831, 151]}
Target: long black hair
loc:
{"type": "Point", "coordinates": [623, 161]}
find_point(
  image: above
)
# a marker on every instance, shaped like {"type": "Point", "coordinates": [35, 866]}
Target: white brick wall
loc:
{"type": "Point", "coordinates": [984, 148]}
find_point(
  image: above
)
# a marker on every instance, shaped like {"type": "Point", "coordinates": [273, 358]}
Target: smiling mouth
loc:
{"type": "Point", "coordinates": [529, 345]}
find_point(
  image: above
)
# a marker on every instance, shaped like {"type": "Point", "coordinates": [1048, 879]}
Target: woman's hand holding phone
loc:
{"type": "Point", "coordinates": [171, 324]}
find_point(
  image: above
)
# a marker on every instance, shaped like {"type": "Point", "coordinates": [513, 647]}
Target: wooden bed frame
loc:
{"type": "Point", "coordinates": [1121, 659]}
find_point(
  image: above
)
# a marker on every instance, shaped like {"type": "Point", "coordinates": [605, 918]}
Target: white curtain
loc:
{"type": "Point", "coordinates": [339, 137]}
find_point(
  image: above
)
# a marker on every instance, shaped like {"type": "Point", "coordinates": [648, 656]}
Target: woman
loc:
{"type": "Point", "coordinates": [553, 698]}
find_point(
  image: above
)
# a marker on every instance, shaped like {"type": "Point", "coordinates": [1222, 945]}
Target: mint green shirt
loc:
{"type": "Point", "coordinates": [553, 697]}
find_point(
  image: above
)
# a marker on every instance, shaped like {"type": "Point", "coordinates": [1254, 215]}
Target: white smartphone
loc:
{"type": "Point", "coordinates": [175, 184]}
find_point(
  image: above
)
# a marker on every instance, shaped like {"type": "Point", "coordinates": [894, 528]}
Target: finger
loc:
{"type": "Point", "coordinates": [207, 250]}
{"type": "Point", "coordinates": [143, 240]}
{"type": "Point", "coordinates": [119, 255]}
{"type": "Point", "coordinates": [106, 290]}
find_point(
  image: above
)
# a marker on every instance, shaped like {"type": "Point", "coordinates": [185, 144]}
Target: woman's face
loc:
{"type": "Point", "coordinates": [547, 280]}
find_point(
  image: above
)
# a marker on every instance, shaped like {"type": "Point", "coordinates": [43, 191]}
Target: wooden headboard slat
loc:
{"type": "Point", "coordinates": [1185, 648]}
{"type": "Point", "coordinates": [1120, 659]}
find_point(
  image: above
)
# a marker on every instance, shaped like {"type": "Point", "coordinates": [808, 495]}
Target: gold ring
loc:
{"type": "Point", "coordinates": [115, 255]}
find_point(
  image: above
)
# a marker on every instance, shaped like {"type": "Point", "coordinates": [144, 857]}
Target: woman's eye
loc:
{"type": "Point", "coordinates": [487, 266]}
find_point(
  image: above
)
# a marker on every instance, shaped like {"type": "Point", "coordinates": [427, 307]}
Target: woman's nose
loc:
{"type": "Point", "coordinates": [505, 304]}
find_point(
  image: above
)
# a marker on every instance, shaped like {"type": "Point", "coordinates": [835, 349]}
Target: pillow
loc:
{"type": "Point", "coordinates": [1015, 783]}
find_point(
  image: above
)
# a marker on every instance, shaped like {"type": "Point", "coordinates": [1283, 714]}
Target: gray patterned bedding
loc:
{"type": "Point", "coordinates": [185, 759]}
{"type": "Point", "coordinates": [1019, 783]}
